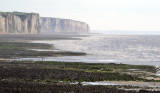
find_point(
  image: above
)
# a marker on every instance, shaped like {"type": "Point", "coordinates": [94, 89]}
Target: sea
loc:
{"type": "Point", "coordinates": [135, 49]}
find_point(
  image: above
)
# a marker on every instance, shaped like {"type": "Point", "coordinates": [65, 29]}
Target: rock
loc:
{"type": "Point", "coordinates": [31, 23]}
{"type": "Point", "coordinates": [18, 22]}
{"type": "Point", "coordinates": [49, 24]}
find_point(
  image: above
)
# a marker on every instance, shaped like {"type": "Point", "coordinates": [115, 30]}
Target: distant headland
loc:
{"type": "Point", "coordinates": [32, 23]}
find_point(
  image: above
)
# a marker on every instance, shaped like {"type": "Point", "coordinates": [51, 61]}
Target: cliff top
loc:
{"type": "Point", "coordinates": [22, 15]}
{"type": "Point", "coordinates": [63, 19]}
{"type": "Point", "coordinates": [17, 13]}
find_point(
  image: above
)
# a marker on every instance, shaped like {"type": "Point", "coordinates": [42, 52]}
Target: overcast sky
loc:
{"type": "Point", "coordinates": [99, 14]}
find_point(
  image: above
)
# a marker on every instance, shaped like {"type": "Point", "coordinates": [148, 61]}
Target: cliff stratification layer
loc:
{"type": "Point", "coordinates": [18, 22]}
{"type": "Point", "coordinates": [62, 25]}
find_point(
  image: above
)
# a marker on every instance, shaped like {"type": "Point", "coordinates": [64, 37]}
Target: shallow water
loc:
{"type": "Point", "coordinates": [44, 50]}
{"type": "Point", "coordinates": [96, 83]}
{"type": "Point", "coordinates": [88, 60]}
{"type": "Point", "coordinates": [126, 49]}
{"type": "Point", "coordinates": [123, 83]}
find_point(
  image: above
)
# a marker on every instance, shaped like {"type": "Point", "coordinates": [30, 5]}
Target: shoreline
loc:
{"type": "Point", "coordinates": [56, 74]}
{"type": "Point", "coordinates": [60, 74]}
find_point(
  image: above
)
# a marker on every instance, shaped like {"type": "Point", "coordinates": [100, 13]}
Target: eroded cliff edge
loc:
{"type": "Point", "coordinates": [18, 22]}
{"type": "Point", "coordinates": [32, 23]}
{"type": "Point", "coordinates": [49, 24]}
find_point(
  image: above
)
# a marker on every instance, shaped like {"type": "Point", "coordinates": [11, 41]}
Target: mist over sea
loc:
{"type": "Point", "coordinates": [102, 48]}
{"type": "Point", "coordinates": [130, 32]}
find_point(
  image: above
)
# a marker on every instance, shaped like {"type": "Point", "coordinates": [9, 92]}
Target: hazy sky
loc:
{"type": "Point", "coordinates": [99, 14]}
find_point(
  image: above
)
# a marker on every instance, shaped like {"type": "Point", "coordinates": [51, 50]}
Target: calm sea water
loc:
{"type": "Point", "coordinates": [126, 49]}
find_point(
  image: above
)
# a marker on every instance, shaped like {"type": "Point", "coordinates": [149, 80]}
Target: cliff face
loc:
{"type": "Point", "coordinates": [31, 23]}
{"type": "Point", "coordinates": [16, 22]}
{"type": "Point", "coordinates": [62, 25]}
